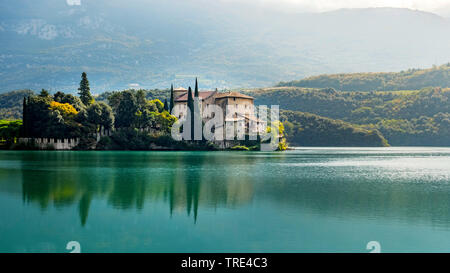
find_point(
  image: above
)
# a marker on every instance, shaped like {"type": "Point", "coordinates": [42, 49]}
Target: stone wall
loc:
{"type": "Point", "coordinates": [51, 143]}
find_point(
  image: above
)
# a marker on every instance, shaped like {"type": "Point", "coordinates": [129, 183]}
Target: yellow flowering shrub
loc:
{"type": "Point", "coordinates": [64, 108]}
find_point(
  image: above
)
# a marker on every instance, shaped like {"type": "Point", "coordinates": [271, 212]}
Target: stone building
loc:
{"type": "Point", "coordinates": [241, 106]}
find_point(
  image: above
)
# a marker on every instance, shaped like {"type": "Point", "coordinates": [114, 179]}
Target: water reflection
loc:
{"type": "Point", "coordinates": [128, 181]}
{"type": "Point", "coordinates": [187, 182]}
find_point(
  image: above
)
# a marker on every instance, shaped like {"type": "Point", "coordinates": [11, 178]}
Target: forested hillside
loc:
{"type": "Point", "coordinates": [403, 117]}
{"type": "Point", "coordinates": [412, 79]}
{"type": "Point", "coordinates": [301, 128]}
{"type": "Point", "coordinates": [304, 129]}
{"type": "Point", "coordinates": [11, 104]}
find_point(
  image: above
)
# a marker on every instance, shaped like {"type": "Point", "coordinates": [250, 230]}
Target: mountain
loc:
{"type": "Point", "coordinates": [412, 79]}
{"type": "Point", "coordinates": [304, 129]}
{"type": "Point", "coordinates": [405, 118]}
{"type": "Point", "coordinates": [150, 44]}
{"type": "Point", "coordinates": [11, 104]}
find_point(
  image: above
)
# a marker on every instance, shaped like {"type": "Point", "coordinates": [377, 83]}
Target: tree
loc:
{"type": "Point", "coordinates": [44, 93]}
{"type": "Point", "coordinates": [126, 110]}
{"type": "Point", "coordinates": [10, 130]}
{"type": "Point", "coordinates": [85, 90]}
{"type": "Point", "coordinates": [159, 105]}
{"type": "Point", "coordinates": [190, 105]}
{"type": "Point", "coordinates": [64, 109]}
{"type": "Point", "coordinates": [24, 129]}
{"type": "Point", "coordinates": [166, 107]}
{"type": "Point", "coordinates": [197, 105]}
{"type": "Point", "coordinates": [114, 99]}
{"type": "Point", "coordinates": [107, 117]}
{"type": "Point", "coordinates": [58, 96]}
{"type": "Point", "coordinates": [94, 113]}
{"type": "Point", "coordinates": [171, 98]}
{"type": "Point", "coordinates": [101, 116]}
{"type": "Point", "coordinates": [73, 100]}
{"type": "Point", "coordinates": [140, 99]}
{"type": "Point", "coordinates": [196, 88]}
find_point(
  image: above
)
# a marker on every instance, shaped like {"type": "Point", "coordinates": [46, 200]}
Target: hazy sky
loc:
{"type": "Point", "coordinates": [436, 6]}
{"type": "Point", "coordinates": [441, 7]}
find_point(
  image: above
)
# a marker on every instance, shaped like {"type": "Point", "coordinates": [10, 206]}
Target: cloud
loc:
{"type": "Point", "coordinates": [134, 85]}
{"type": "Point", "coordinates": [73, 2]}
{"type": "Point", "coordinates": [37, 27]}
{"type": "Point", "coordinates": [327, 5]}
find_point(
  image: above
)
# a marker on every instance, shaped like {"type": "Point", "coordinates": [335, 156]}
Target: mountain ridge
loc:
{"type": "Point", "coordinates": [225, 47]}
{"type": "Point", "coordinates": [411, 79]}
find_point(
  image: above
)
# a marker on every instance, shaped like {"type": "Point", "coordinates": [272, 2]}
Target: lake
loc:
{"type": "Point", "coordinates": [304, 200]}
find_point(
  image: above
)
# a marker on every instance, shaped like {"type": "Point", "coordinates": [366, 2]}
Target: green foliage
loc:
{"type": "Point", "coordinates": [86, 143]}
{"type": "Point", "coordinates": [149, 95]}
{"type": "Point", "coordinates": [133, 110]}
{"type": "Point", "coordinates": [166, 106]}
{"type": "Point", "coordinates": [133, 139]}
{"type": "Point", "coordinates": [159, 105]}
{"type": "Point", "coordinates": [280, 134]}
{"type": "Point", "coordinates": [101, 115]}
{"type": "Point", "coordinates": [372, 110]}
{"type": "Point", "coordinates": [47, 118]}
{"type": "Point", "coordinates": [306, 129]}
{"type": "Point", "coordinates": [11, 104]}
{"type": "Point", "coordinates": [107, 117]}
{"type": "Point", "coordinates": [412, 79]}
{"type": "Point", "coordinates": [85, 90]}
{"type": "Point", "coordinates": [427, 131]}
{"type": "Point", "coordinates": [196, 88]}
{"type": "Point", "coordinates": [10, 130]}
{"type": "Point", "coordinates": [190, 105]}
{"type": "Point", "coordinates": [172, 103]}
{"type": "Point", "coordinates": [240, 148]}
{"type": "Point", "coordinates": [44, 93]}
{"type": "Point", "coordinates": [165, 121]}
{"type": "Point", "coordinates": [125, 110]}
{"type": "Point", "coordinates": [104, 143]}
{"type": "Point", "coordinates": [70, 99]}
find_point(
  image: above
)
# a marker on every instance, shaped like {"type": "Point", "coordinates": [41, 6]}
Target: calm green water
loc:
{"type": "Point", "coordinates": [307, 200]}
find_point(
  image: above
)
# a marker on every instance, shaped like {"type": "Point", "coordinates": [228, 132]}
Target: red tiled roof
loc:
{"type": "Point", "coordinates": [202, 95]}
{"type": "Point", "coordinates": [233, 95]}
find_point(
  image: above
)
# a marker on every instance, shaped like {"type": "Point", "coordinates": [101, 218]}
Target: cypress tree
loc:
{"type": "Point", "coordinates": [190, 105]}
{"type": "Point", "coordinates": [171, 98]}
{"type": "Point", "coordinates": [166, 107]}
{"type": "Point", "coordinates": [196, 88]}
{"type": "Point", "coordinates": [197, 102]}
{"type": "Point", "coordinates": [85, 90]}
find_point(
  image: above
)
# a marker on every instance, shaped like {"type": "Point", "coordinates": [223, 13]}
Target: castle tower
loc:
{"type": "Point", "coordinates": [177, 92]}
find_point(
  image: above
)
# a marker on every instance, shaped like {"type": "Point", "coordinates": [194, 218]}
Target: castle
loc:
{"type": "Point", "coordinates": [241, 106]}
